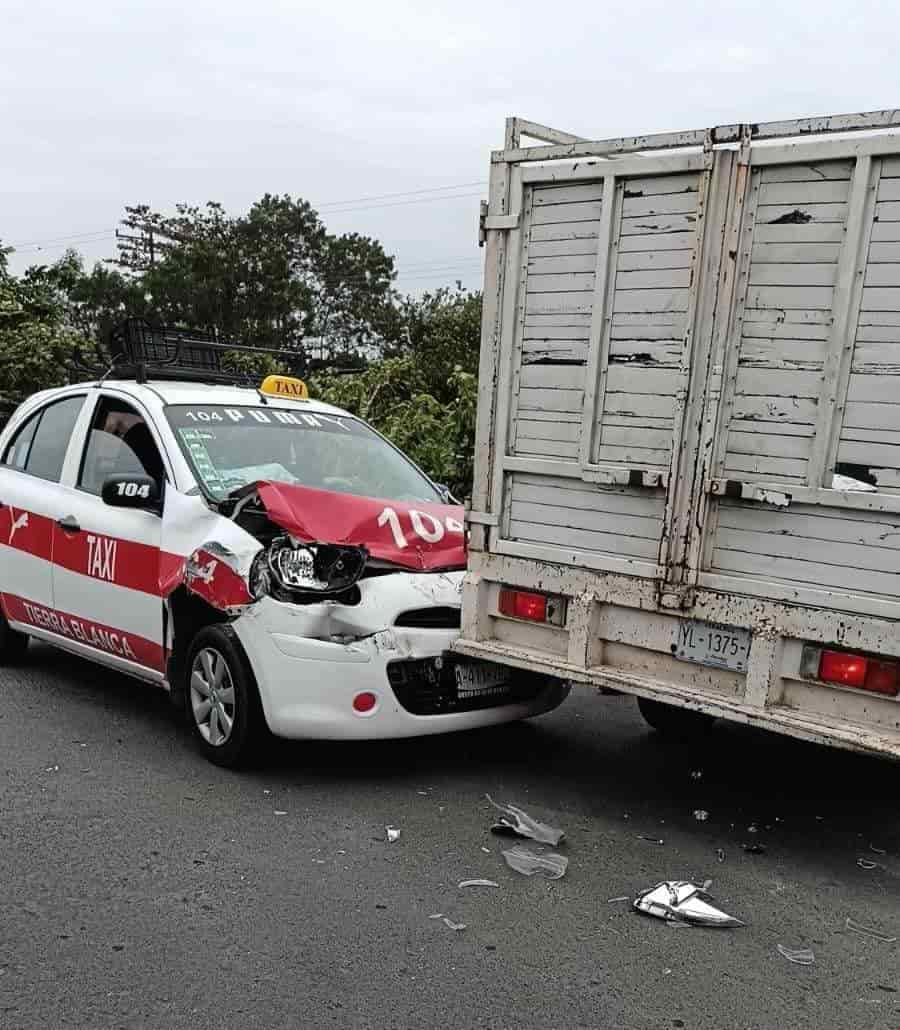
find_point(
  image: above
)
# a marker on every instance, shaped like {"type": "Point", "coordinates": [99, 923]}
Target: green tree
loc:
{"type": "Point", "coordinates": [37, 343]}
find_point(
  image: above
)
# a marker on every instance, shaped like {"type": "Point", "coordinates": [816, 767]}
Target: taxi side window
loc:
{"type": "Point", "coordinates": [40, 446]}
{"type": "Point", "coordinates": [119, 443]}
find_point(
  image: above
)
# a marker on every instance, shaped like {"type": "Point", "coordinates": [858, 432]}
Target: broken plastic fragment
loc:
{"type": "Point", "coordinates": [549, 867]}
{"type": "Point", "coordinates": [867, 863]}
{"type": "Point", "coordinates": [865, 931]}
{"type": "Point", "coordinates": [802, 956]}
{"type": "Point", "coordinates": [452, 925]}
{"type": "Point", "coordinates": [478, 883]}
{"type": "Point", "coordinates": [521, 823]}
{"type": "Point", "coordinates": [393, 835]}
{"type": "Point", "coordinates": [697, 774]}
{"type": "Point", "coordinates": [437, 915]}
{"type": "Point", "coordinates": [685, 902]}
{"type": "Point", "coordinates": [754, 848]}
{"type": "Point", "coordinates": [650, 840]}
{"type": "Point", "coordinates": [720, 854]}
{"type": "Point", "coordinates": [613, 901]}
{"type": "Point", "coordinates": [701, 815]}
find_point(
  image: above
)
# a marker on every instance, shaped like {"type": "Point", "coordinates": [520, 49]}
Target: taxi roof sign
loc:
{"type": "Point", "coordinates": [285, 386]}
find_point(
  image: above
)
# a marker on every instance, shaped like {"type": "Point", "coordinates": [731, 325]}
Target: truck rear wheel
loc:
{"type": "Point", "coordinates": [674, 721]}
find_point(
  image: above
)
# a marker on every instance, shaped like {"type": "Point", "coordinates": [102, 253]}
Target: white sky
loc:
{"type": "Point", "coordinates": [103, 104]}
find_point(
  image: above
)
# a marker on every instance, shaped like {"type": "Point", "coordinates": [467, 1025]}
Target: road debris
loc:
{"type": "Point", "coordinates": [477, 883]}
{"type": "Point", "coordinates": [866, 931]}
{"type": "Point", "coordinates": [697, 774]}
{"type": "Point", "coordinates": [613, 901]}
{"type": "Point", "coordinates": [452, 925]}
{"type": "Point", "coordinates": [514, 820]}
{"type": "Point", "coordinates": [800, 956]}
{"type": "Point", "coordinates": [752, 828]}
{"type": "Point", "coordinates": [868, 864]}
{"type": "Point", "coordinates": [701, 815]}
{"type": "Point", "coordinates": [650, 840]}
{"type": "Point", "coordinates": [680, 901]}
{"type": "Point", "coordinates": [549, 867]}
{"type": "Point", "coordinates": [278, 811]}
{"type": "Point", "coordinates": [720, 854]}
{"type": "Point", "coordinates": [437, 915]}
{"type": "Point", "coordinates": [393, 834]}
{"type": "Point", "coordinates": [877, 851]}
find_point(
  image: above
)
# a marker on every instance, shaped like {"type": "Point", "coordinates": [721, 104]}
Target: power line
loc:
{"type": "Point", "coordinates": [404, 193]}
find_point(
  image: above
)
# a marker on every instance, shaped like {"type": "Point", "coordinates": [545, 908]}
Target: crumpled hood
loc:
{"type": "Point", "coordinates": [419, 536]}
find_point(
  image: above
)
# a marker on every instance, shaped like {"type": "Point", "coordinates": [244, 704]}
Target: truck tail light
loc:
{"type": "Point", "coordinates": [531, 606]}
{"type": "Point", "coordinates": [852, 670]}
{"type": "Point", "coordinates": [521, 604]}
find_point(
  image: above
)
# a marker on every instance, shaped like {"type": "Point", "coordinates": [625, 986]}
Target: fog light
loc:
{"type": "Point", "coordinates": [364, 702]}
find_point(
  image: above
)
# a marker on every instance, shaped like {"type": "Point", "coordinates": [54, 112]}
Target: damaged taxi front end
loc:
{"type": "Point", "coordinates": [347, 607]}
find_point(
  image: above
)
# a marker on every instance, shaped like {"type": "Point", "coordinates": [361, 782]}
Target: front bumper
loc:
{"type": "Point", "coordinates": [307, 685]}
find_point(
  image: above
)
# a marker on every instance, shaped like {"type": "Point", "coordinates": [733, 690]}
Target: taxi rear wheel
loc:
{"type": "Point", "coordinates": [222, 699]}
{"type": "Point", "coordinates": [13, 645]}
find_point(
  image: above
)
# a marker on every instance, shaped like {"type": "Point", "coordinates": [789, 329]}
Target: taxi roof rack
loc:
{"type": "Point", "coordinates": [142, 351]}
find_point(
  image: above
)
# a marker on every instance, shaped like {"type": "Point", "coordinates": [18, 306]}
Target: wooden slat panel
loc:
{"type": "Point", "coordinates": [890, 167]}
{"type": "Point", "coordinates": [877, 358]}
{"type": "Point", "coordinates": [683, 240]}
{"type": "Point", "coordinates": [550, 400]}
{"type": "Point", "coordinates": [881, 389]}
{"type": "Point", "coordinates": [555, 332]}
{"type": "Point", "coordinates": [635, 379]}
{"type": "Point", "coordinates": [787, 316]}
{"type": "Point", "coordinates": [792, 274]}
{"type": "Point", "coordinates": [791, 571]}
{"type": "Point", "coordinates": [771, 446]}
{"type": "Point", "coordinates": [633, 454]}
{"type": "Point", "coordinates": [651, 186]}
{"type": "Point", "coordinates": [531, 447]}
{"type": "Point", "coordinates": [878, 298]}
{"type": "Point", "coordinates": [622, 436]}
{"type": "Point", "coordinates": [763, 427]}
{"type": "Point", "coordinates": [739, 466]}
{"type": "Point", "coordinates": [650, 300]}
{"type": "Point", "coordinates": [662, 204]}
{"type": "Point", "coordinates": [656, 278]}
{"type": "Point", "coordinates": [562, 377]}
{"type": "Point", "coordinates": [570, 283]}
{"type": "Point", "coordinates": [872, 416]}
{"type": "Point", "coordinates": [802, 253]}
{"type": "Point", "coordinates": [647, 259]}
{"type": "Point", "coordinates": [579, 193]}
{"type": "Point", "coordinates": [883, 274]}
{"type": "Point", "coordinates": [559, 303]}
{"type": "Point", "coordinates": [574, 494]}
{"type": "Point", "coordinates": [539, 322]}
{"type": "Point", "coordinates": [883, 252]}
{"type": "Point", "coordinates": [584, 540]}
{"type": "Point", "coordinates": [561, 265]}
{"type": "Point", "coordinates": [565, 232]}
{"type": "Point", "coordinates": [575, 518]}
{"type": "Point", "coordinates": [559, 350]}
{"type": "Point", "coordinates": [812, 232]}
{"type": "Point", "coordinates": [875, 435]}
{"type": "Point", "coordinates": [638, 405]}
{"type": "Point", "coordinates": [544, 429]}
{"type": "Point", "coordinates": [586, 245]}
{"type": "Point", "coordinates": [871, 455]}
{"type": "Point", "coordinates": [845, 555]}
{"type": "Point", "coordinates": [888, 212]}
{"type": "Point", "coordinates": [885, 232]}
{"type": "Point", "coordinates": [645, 352]}
{"type": "Point", "coordinates": [778, 214]}
{"type": "Point", "coordinates": [553, 214]}
{"type": "Point", "coordinates": [880, 318]}
{"type": "Point", "coordinates": [765, 382]}
{"type": "Point", "coordinates": [889, 189]}
{"type": "Point", "coordinates": [775, 409]}
{"type": "Point", "coordinates": [783, 330]}
{"type": "Point", "coordinates": [871, 529]}
{"type": "Point", "coordinates": [807, 172]}
{"type": "Point", "coordinates": [802, 194]}
{"type": "Point", "coordinates": [657, 224]}
{"type": "Point", "coordinates": [782, 353]}
{"type": "Point", "coordinates": [816, 298]}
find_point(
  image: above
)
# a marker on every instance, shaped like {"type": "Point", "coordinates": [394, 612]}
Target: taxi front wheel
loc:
{"type": "Point", "coordinates": [13, 645]}
{"type": "Point", "coordinates": [223, 702]}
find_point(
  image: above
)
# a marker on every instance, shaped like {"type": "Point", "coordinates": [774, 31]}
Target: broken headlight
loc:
{"type": "Point", "coordinates": [320, 568]}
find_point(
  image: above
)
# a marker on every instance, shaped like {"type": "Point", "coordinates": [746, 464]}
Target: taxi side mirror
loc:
{"type": "Point", "coordinates": [132, 491]}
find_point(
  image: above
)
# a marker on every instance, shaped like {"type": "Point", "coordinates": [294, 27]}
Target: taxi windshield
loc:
{"type": "Point", "coordinates": [229, 447]}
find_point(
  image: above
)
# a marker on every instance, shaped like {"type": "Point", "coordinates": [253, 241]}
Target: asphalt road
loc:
{"type": "Point", "coordinates": [142, 887]}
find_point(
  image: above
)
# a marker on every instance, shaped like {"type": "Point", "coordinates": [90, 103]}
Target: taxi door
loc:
{"type": "Point", "coordinates": [31, 466]}
{"type": "Point", "coordinates": [106, 560]}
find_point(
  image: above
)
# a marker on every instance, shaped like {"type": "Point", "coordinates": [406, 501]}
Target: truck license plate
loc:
{"type": "Point", "coordinates": [708, 643]}
{"type": "Point", "coordinates": [474, 679]}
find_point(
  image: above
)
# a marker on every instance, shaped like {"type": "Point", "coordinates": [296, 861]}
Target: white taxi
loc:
{"type": "Point", "coordinates": [272, 562]}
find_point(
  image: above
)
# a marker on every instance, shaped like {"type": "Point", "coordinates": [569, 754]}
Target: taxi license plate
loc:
{"type": "Point", "coordinates": [475, 679]}
{"type": "Point", "coordinates": [709, 643]}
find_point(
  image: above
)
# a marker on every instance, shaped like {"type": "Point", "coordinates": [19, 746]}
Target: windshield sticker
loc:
{"type": "Point", "coordinates": [260, 416]}
{"type": "Point", "coordinates": [202, 462]}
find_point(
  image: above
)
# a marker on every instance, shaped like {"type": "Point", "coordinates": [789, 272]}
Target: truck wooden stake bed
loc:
{"type": "Point", "coordinates": [687, 470]}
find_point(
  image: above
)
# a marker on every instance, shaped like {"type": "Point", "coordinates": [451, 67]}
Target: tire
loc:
{"type": "Point", "coordinates": [675, 722]}
{"type": "Point", "coordinates": [230, 729]}
{"type": "Point", "coordinates": [13, 644]}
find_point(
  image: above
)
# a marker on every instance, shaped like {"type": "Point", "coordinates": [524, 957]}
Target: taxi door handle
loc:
{"type": "Point", "coordinates": [69, 524]}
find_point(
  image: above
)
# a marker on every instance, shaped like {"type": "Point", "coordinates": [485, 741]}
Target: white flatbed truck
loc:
{"type": "Point", "coordinates": [687, 468]}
